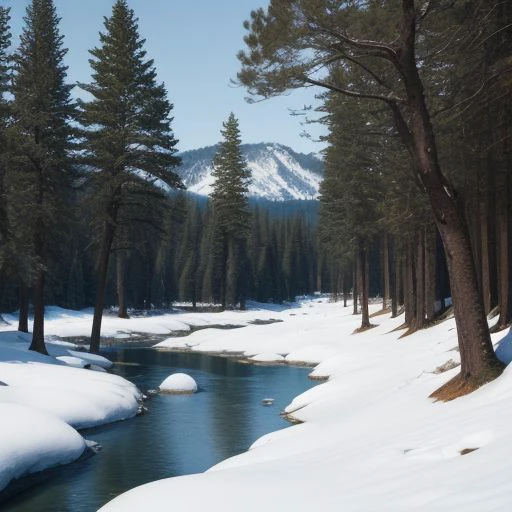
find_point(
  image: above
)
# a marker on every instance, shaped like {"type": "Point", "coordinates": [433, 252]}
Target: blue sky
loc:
{"type": "Point", "coordinates": [194, 45]}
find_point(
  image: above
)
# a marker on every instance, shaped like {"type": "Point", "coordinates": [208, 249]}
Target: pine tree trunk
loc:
{"type": "Point", "coordinates": [385, 271]}
{"type": "Point", "coordinates": [502, 229]}
{"type": "Point", "coordinates": [24, 304]}
{"type": "Point", "coordinates": [106, 246]}
{"type": "Point", "coordinates": [355, 287]}
{"type": "Point", "coordinates": [409, 287]}
{"type": "Point", "coordinates": [38, 327]}
{"type": "Point", "coordinates": [430, 274]}
{"type": "Point", "coordinates": [364, 274]}
{"type": "Point", "coordinates": [120, 284]}
{"type": "Point", "coordinates": [393, 281]}
{"type": "Point", "coordinates": [37, 343]}
{"type": "Point", "coordinates": [420, 281]}
{"type": "Point", "coordinates": [399, 277]}
{"type": "Point", "coordinates": [478, 360]}
{"type": "Point", "coordinates": [484, 242]}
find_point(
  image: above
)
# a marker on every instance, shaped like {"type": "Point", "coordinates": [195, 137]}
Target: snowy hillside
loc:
{"type": "Point", "coordinates": [278, 173]}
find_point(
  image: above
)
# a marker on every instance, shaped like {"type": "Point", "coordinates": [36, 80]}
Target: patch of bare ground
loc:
{"type": "Point", "coordinates": [465, 451]}
{"type": "Point", "coordinates": [292, 419]}
{"type": "Point", "coordinates": [319, 378]}
{"type": "Point", "coordinates": [449, 365]}
{"type": "Point", "coordinates": [460, 385]}
{"type": "Point", "coordinates": [363, 329]}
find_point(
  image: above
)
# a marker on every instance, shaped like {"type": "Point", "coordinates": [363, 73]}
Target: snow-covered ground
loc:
{"type": "Point", "coordinates": [371, 438]}
{"type": "Point", "coordinates": [43, 399]}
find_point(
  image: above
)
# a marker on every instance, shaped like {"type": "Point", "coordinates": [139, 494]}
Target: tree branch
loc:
{"type": "Point", "coordinates": [354, 94]}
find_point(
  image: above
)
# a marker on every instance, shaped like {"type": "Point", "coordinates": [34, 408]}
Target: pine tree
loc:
{"type": "Point", "coordinates": [5, 41]}
{"type": "Point", "coordinates": [40, 143]}
{"type": "Point", "coordinates": [128, 140]}
{"type": "Point", "coordinates": [231, 214]}
{"type": "Point", "coordinates": [295, 44]}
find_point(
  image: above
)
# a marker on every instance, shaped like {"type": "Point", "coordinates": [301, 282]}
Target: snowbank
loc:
{"type": "Point", "coordinates": [32, 441]}
{"type": "Point", "coordinates": [46, 397]}
{"type": "Point", "coordinates": [372, 439]}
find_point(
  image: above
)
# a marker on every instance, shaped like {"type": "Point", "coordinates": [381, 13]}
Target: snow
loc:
{"type": "Point", "coordinates": [33, 440]}
{"type": "Point", "coordinates": [47, 397]}
{"type": "Point", "coordinates": [371, 437]}
{"type": "Point", "coordinates": [267, 357]}
{"type": "Point", "coordinates": [276, 175]}
{"type": "Point", "coordinates": [178, 383]}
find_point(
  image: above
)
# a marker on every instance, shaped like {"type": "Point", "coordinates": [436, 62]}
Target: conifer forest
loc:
{"type": "Point", "coordinates": [415, 205]}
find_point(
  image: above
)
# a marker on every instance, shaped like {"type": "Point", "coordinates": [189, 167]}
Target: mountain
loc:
{"type": "Point", "coordinates": [278, 172]}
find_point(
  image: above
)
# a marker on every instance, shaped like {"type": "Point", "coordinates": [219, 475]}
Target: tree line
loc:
{"type": "Point", "coordinates": [89, 212]}
{"type": "Point", "coordinates": [416, 95]}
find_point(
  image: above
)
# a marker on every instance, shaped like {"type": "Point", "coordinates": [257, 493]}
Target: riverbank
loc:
{"type": "Point", "coordinates": [45, 400]}
{"type": "Point", "coordinates": [371, 437]}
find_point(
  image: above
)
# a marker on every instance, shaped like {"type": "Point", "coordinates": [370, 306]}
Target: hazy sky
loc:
{"type": "Point", "coordinates": [194, 45]}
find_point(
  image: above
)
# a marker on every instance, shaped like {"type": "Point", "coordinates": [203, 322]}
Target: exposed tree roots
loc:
{"type": "Point", "coordinates": [460, 386]}
{"type": "Point", "coordinates": [362, 329]}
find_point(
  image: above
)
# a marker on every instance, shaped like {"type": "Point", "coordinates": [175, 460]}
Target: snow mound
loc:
{"type": "Point", "coordinates": [33, 441]}
{"type": "Point", "coordinates": [82, 398]}
{"type": "Point", "coordinates": [267, 357]}
{"type": "Point", "coordinates": [178, 383]}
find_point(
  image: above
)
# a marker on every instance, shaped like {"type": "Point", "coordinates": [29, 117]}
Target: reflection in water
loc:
{"type": "Point", "coordinates": [180, 435]}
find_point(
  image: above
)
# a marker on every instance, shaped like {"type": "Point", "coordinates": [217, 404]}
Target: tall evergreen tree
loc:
{"type": "Point", "coordinates": [231, 214]}
{"type": "Point", "coordinates": [128, 140]}
{"type": "Point", "coordinates": [40, 144]}
{"type": "Point", "coordinates": [5, 41]}
{"type": "Point", "coordinates": [296, 43]}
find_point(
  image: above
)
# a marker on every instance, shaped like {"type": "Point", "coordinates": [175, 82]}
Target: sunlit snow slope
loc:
{"type": "Point", "coordinates": [278, 173]}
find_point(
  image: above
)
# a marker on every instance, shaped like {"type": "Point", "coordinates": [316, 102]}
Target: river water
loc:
{"type": "Point", "coordinates": [179, 435]}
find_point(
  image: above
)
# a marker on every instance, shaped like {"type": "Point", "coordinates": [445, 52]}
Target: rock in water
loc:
{"type": "Point", "coordinates": [178, 383]}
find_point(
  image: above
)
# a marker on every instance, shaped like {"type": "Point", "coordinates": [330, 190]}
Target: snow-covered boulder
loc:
{"type": "Point", "coordinates": [178, 383]}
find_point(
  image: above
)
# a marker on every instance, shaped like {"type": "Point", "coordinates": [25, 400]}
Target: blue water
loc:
{"type": "Point", "coordinates": [179, 435]}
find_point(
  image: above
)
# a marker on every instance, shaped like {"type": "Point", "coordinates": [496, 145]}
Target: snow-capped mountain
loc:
{"type": "Point", "coordinates": [278, 173]}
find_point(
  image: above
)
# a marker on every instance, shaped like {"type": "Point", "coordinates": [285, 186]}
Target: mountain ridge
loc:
{"type": "Point", "coordinates": [278, 172]}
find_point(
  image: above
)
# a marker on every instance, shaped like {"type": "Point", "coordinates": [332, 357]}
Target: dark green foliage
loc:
{"type": "Point", "coordinates": [128, 140]}
{"type": "Point", "coordinates": [231, 217]}
{"type": "Point", "coordinates": [38, 167]}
